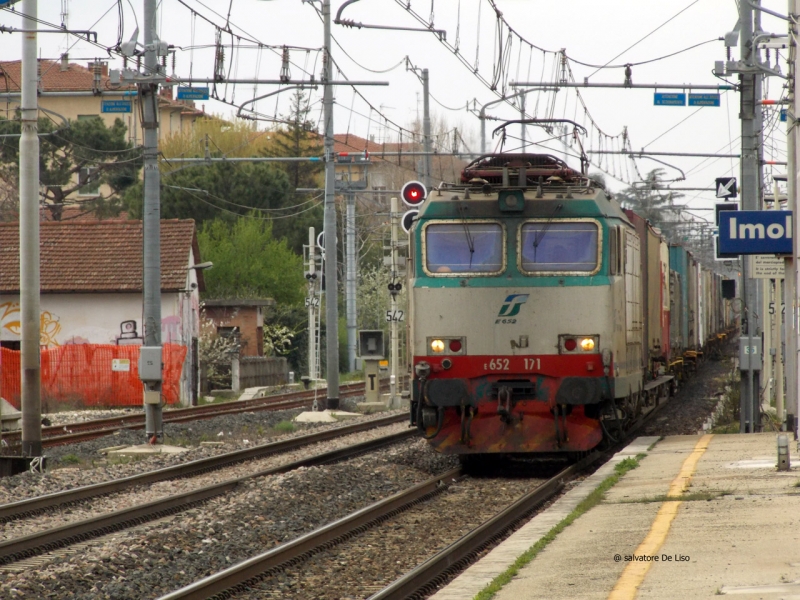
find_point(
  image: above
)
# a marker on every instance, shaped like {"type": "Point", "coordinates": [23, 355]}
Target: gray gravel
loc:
{"type": "Point", "coordinates": [168, 488]}
{"type": "Point", "coordinates": [369, 562]}
{"type": "Point", "coordinates": [148, 562]}
{"type": "Point", "coordinates": [76, 465]}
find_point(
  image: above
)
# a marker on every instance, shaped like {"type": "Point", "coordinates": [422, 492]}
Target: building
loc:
{"type": "Point", "coordinates": [76, 92]}
{"type": "Point", "coordinates": [72, 92]}
{"type": "Point", "coordinates": [91, 286]}
{"type": "Point", "coordinates": [242, 319]}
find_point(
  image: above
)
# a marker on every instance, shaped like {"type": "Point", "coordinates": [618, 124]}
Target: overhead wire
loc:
{"type": "Point", "coordinates": [640, 40]}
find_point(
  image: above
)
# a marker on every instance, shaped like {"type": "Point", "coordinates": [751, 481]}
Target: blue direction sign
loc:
{"type": "Point", "coordinates": [192, 93]}
{"type": "Point", "coordinates": [783, 115]}
{"type": "Point", "coordinates": [669, 99]}
{"type": "Point", "coordinates": [755, 232]}
{"type": "Point", "coordinates": [703, 99]}
{"type": "Point", "coordinates": [115, 106]}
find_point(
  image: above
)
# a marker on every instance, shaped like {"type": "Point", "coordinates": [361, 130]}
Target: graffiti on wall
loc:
{"type": "Point", "coordinates": [10, 323]}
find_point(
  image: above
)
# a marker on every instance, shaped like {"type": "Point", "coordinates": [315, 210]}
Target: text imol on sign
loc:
{"type": "Point", "coordinates": [755, 232]}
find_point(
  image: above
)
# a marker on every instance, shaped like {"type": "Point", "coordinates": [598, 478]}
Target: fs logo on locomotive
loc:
{"type": "Point", "coordinates": [510, 308]}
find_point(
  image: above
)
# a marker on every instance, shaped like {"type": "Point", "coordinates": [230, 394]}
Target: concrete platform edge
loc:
{"type": "Point", "coordinates": [482, 573]}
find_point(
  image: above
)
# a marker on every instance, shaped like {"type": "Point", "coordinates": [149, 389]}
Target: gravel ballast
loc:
{"type": "Point", "coordinates": [156, 558]}
{"type": "Point", "coordinates": [76, 465]}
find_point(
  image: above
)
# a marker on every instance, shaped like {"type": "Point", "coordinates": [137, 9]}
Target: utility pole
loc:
{"type": "Point", "coordinates": [426, 130]}
{"type": "Point", "coordinates": [29, 239]}
{"type": "Point", "coordinates": [151, 217]}
{"type": "Point", "coordinates": [749, 403]}
{"type": "Point", "coordinates": [395, 357]}
{"type": "Point", "coordinates": [311, 302]}
{"type": "Point", "coordinates": [350, 279]}
{"type": "Point", "coordinates": [331, 253]}
{"type": "Point", "coordinates": [793, 263]}
{"type": "Point", "coordinates": [522, 126]}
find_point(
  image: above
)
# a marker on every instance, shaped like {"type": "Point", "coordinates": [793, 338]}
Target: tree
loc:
{"type": "Point", "coordinates": [238, 138]}
{"type": "Point", "coordinates": [75, 158]}
{"type": "Point", "coordinates": [299, 138]}
{"type": "Point", "coordinates": [219, 190]}
{"type": "Point", "coordinates": [249, 262]}
{"type": "Point", "coordinates": [652, 201]}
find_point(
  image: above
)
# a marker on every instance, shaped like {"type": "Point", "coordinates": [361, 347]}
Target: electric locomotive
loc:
{"type": "Point", "coordinates": [526, 312]}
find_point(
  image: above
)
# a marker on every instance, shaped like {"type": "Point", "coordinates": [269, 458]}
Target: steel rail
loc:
{"type": "Point", "coordinates": [87, 430]}
{"type": "Point", "coordinates": [241, 575]}
{"type": "Point", "coordinates": [31, 506]}
{"type": "Point", "coordinates": [427, 576]}
{"type": "Point", "coordinates": [464, 550]}
{"type": "Point", "coordinates": [45, 541]}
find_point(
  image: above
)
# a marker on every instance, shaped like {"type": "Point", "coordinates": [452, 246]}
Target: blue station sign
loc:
{"type": "Point", "coordinates": [703, 99]}
{"type": "Point", "coordinates": [115, 106]}
{"type": "Point", "coordinates": [669, 99]}
{"type": "Point", "coordinates": [755, 232]}
{"type": "Point", "coordinates": [192, 93]}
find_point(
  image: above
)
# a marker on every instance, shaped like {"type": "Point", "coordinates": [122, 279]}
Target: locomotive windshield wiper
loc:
{"type": "Point", "coordinates": [540, 235]}
{"type": "Point", "coordinates": [470, 241]}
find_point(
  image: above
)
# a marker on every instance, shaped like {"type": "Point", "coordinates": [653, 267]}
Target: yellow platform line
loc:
{"type": "Point", "coordinates": [634, 574]}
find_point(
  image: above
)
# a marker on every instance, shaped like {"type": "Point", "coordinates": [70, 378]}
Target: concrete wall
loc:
{"type": "Point", "coordinates": [257, 371]}
{"type": "Point", "coordinates": [107, 319]}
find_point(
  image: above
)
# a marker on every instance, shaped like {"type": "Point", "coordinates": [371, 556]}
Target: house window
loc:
{"type": "Point", "coordinates": [227, 331]}
{"type": "Point", "coordinates": [89, 180]}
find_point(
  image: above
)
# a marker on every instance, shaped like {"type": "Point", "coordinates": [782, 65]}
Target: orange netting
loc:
{"type": "Point", "coordinates": [82, 374]}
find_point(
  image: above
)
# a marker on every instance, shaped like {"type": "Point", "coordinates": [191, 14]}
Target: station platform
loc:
{"type": "Point", "coordinates": [700, 517]}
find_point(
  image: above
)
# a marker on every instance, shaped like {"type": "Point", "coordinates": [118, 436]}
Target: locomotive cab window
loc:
{"type": "Point", "coordinates": [559, 247]}
{"type": "Point", "coordinates": [463, 248]}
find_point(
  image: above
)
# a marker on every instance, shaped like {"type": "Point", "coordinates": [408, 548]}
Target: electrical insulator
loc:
{"type": "Point", "coordinates": [286, 75]}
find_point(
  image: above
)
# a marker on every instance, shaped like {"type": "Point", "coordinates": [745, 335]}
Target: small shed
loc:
{"type": "Point", "coordinates": [242, 318]}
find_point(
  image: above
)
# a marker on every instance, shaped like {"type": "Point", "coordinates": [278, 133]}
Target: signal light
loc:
{"type": "Point", "coordinates": [408, 218]}
{"type": "Point", "coordinates": [455, 345]}
{"type": "Point", "coordinates": [437, 345]}
{"type": "Point", "coordinates": [413, 193]}
{"type": "Point", "coordinates": [570, 344]}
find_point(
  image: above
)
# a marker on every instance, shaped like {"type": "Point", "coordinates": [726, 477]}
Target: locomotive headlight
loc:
{"type": "Point", "coordinates": [437, 345]}
{"type": "Point", "coordinates": [575, 344]}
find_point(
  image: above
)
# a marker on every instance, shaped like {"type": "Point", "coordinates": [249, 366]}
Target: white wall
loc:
{"type": "Point", "coordinates": [96, 319]}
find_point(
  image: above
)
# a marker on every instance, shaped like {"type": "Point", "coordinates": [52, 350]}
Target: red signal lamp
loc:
{"type": "Point", "coordinates": [413, 193]}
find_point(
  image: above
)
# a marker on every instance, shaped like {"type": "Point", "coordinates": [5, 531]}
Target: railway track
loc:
{"type": "Point", "coordinates": [422, 579]}
{"type": "Point", "coordinates": [241, 577]}
{"type": "Point", "coordinates": [31, 545]}
{"type": "Point", "coordinates": [88, 430]}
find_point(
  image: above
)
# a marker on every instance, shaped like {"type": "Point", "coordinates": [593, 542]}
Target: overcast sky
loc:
{"type": "Point", "coordinates": [591, 32]}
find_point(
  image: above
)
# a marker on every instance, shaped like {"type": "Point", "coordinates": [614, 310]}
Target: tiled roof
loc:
{"type": "Point", "coordinates": [99, 256]}
{"type": "Point", "coordinates": [77, 213]}
{"type": "Point", "coordinates": [75, 78]}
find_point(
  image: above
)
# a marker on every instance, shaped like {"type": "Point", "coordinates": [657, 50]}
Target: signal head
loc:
{"type": "Point", "coordinates": [413, 193]}
{"type": "Point", "coordinates": [407, 220]}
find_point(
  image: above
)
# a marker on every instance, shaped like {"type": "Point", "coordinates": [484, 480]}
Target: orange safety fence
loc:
{"type": "Point", "coordinates": [82, 374]}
